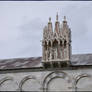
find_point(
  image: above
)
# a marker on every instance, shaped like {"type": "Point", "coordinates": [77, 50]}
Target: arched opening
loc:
{"type": "Point", "coordinates": [60, 49]}
{"type": "Point", "coordinates": [49, 44]}
{"type": "Point", "coordinates": [49, 51]}
{"type": "Point", "coordinates": [65, 43]}
{"type": "Point", "coordinates": [45, 45]}
{"type": "Point", "coordinates": [55, 43]}
{"type": "Point", "coordinates": [60, 43]}
{"type": "Point", "coordinates": [55, 49]}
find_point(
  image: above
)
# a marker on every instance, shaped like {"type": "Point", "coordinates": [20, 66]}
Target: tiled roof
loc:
{"type": "Point", "coordinates": [81, 59]}
{"type": "Point", "coordinates": [78, 59]}
{"type": "Point", "coordinates": [20, 63]}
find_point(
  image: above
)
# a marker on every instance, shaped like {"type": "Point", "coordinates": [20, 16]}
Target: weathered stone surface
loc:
{"type": "Point", "coordinates": [54, 80]}
{"type": "Point", "coordinates": [56, 45]}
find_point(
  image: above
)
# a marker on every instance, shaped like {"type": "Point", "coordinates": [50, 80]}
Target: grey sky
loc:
{"type": "Point", "coordinates": [21, 26]}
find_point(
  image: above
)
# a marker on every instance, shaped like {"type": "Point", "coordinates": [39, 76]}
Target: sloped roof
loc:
{"type": "Point", "coordinates": [77, 59]}
{"type": "Point", "coordinates": [20, 63]}
{"type": "Point", "coordinates": [81, 59]}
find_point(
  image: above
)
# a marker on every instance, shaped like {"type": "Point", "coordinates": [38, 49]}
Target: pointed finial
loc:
{"type": "Point", "coordinates": [49, 19]}
{"type": "Point", "coordinates": [57, 16]}
{"type": "Point", "coordinates": [64, 18]}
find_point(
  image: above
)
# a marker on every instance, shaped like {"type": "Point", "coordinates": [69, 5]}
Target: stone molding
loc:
{"type": "Point", "coordinates": [6, 79]}
{"type": "Point", "coordinates": [25, 79]}
{"type": "Point", "coordinates": [52, 75]}
{"type": "Point", "coordinates": [79, 77]}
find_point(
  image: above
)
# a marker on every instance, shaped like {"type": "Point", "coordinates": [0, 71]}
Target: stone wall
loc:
{"type": "Point", "coordinates": [52, 80]}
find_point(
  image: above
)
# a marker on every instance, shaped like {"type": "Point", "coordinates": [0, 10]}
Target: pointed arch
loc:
{"type": "Point", "coordinates": [61, 43]}
{"type": "Point", "coordinates": [55, 43]}
{"type": "Point", "coordinates": [45, 42]}
{"type": "Point", "coordinates": [45, 45]}
{"type": "Point", "coordinates": [65, 43]}
{"type": "Point", "coordinates": [49, 43]}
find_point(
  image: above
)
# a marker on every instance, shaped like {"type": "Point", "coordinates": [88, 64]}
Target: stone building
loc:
{"type": "Point", "coordinates": [56, 44]}
{"type": "Point", "coordinates": [56, 70]}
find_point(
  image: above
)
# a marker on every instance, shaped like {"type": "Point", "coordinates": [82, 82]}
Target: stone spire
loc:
{"type": "Point", "coordinates": [45, 32]}
{"type": "Point", "coordinates": [50, 26]}
{"type": "Point", "coordinates": [57, 24]}
{"type": "Point", "coordinates": [64, 18]}
{"type": "Point", "coordinates": [64, 21]}
{"type": "Point", "coordinates": [57, 17]}
{"type": "Point", "coordinates": [49, 19]}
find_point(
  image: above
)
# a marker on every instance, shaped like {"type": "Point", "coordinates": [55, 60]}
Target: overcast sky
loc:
{"type": "Point", "coordinates": [21, 26]}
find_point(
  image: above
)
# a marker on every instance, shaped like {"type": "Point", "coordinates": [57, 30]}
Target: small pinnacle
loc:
{"type": "Point", "coordinates": [49, 19]}
{"type": "Point", "coordinates": [45, 27]}
{"type": "Point", "coordinates": [64, 18]}
{"type": "Point", "coordinates": [57, 16]}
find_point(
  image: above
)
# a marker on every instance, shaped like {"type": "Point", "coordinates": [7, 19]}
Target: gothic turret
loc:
{"type": "Point", "coordinates": [56, 45]}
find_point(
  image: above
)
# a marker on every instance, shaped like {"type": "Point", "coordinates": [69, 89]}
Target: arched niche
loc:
{"type": "Point", "coordinates": [29, 83]}
{"type": "Point", "coordinates": [61, 43]}
{"type": "Point", "coordinates": [55, 43]}
{"type": "Point", "coordinates": [83, 82]}
{"type": "Point", "coordinates": [49, 43]}
{"type": "Point", "coordinates": [65, 43]}
{"type": "Point", "coordinates": [45, 45]}
{"type": "Point", "coordinates": [57, 81]}
{"type": "Point", "coordinates": [8, 84]}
